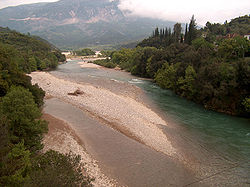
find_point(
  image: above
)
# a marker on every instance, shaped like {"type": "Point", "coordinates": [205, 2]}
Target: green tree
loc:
{"type": "Point", "coordinates": [156, 33]}
{"type": "Point", "coordinates": [246, 104]}
{"type": "Point", "coordinates": [53, 61]}
{"type": "Point", "coordinates": [15, 166]}
{"type": "Point", "coordinates": [187, 84]}
{"type": "Point", "coordinates": [22, 112]}
{"type": "Point", "coordinates": [56, 169]}
{"type": "Point", "coordinates": [42, 65]}
{"type": "Point", "coordinates": [24, 48]}
{"type": "Point", "coordinates": [32, 64]}
{"type": "Point", "coordinates": [84, 52]}
{"type": "Point", "coordinates": [233, 48]}
{"type": "Point", "coordinates": [192, 31]}
{"type": "Point", "coordinates": [123, 58]}
{"type": "Point", "coordinates": [177, 32]}
{"type": "Point", "coordinates": [155, 62]}
{"type": "Point", "coordinates": [140, 59]}
{"type": "Point", "coordinates": [203, 47]}
{"type": "Point", "coordinates": [186, 33]}
{"type": "Point", "coordinates": [166, 76]}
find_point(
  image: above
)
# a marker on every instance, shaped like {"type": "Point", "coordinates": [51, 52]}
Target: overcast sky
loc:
{"type": "Point", "coordinates": [173, 10]}
{"type": "Point", "coordinates": [6, 3]}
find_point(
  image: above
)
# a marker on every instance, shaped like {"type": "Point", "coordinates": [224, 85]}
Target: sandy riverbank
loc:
{"type": "Point", "coordinates": [85, 64]}
{"type": "Point", "coordinates": [62, 138]}
{"type": "Point", "coordinates": [120, 112]}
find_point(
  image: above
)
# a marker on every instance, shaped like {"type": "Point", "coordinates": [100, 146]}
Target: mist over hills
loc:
{"type": "Point", "coordinates": [79, 23]}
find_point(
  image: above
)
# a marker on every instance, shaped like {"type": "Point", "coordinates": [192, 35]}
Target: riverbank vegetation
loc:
{"type": "Point", "coordinates": [84, 52]}
{"type": "Point", "coordinates": [22, 162]}
{"type": "Point", "coordinates": [210, 66]}
{"type": "Point", "coordinates": [105, 62]}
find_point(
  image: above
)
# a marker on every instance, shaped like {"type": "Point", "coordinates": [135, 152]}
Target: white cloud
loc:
{"type": "Point", "coordinates": [182, 10]}
{"type": "Point", "coordinates": [173, 10]}
{"type": "Point", "coordinates": [6, 3]}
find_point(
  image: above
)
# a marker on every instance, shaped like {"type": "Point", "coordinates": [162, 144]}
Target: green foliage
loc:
{"type": "Point", "coordinates": [30, 51]}
{"type": "Point", "coordinates": [37, 93]}
{"type": "Point", "coordinates": [19, 107]}
{"type": "Point", "coordinates": [84, 52]}
{"type": "Point", "coordinates": [42, 65]}
{"type": "Point", "coordinates": [166, 76]}
{"type": "Point", "coordinates": [141, 57]}
{"type": "Point", "coordinates": [177, 32]}
{"type": "Point", "coordinates": [20, 135]}
{"type": "Point", "coordinates": [216, 28]}
{"type": "Point", "coordinates": [246, 104]}
{"type": "Point", "coordinates": [165, 37]}
{"type": "Point", "coordinates": [105, 62]}
{"type": "Point", "coordinates": [124, 58]}
{"type": "Point", "coordinates": [214, 74]}
{"type": "Point", "coordinates": [207, 66]}
{"type": "Point", "coordinates": [162, 38]}
{"type": "Point", "coordinates": [191, 34]}
{"type": "Point", "coordinates": [107, 53]}
{"type": "Point", "coordinates": [15, 166]}
{"type": "Point", "coordinates": [240, 25]}
{"type": "Point", "coordinates": [203, 47]}
{"type": "Point", "coordinates": [10, 73]}
{"type": "Point", "coordinates": [56, 169]}
{"type": "Point", "coordinates": [33, 64]}
{"type": "Point", "coordinates": [154, 63]}
{"type": "Point", "coordinates": [21, 129]}
{"type": "Point", "coordinates": [187, 84]}
{"type": "Point", "coordinates": [233, 48]}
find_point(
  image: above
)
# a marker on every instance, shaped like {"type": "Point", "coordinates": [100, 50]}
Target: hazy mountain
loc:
{"type": "Point", "coordinates": [78, 23]}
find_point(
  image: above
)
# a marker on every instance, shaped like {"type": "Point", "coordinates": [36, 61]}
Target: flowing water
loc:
{"type": "Point", "coordinates": [216, 146]}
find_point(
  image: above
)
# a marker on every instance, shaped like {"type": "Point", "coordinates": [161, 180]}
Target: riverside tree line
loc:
{"type": "Point", "coordinates": [210, 66]}
{"type": "Point", "coordinates": [21, 128]}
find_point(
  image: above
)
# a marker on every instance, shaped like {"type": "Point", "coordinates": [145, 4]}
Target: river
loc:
{"type": "Point", "coordinates": [216, 146]}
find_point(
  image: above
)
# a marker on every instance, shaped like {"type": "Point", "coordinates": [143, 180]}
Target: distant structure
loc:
{"type": "Point", "coordinates": [66, 53]}
{"type": "Point", "coordinates": [97, 53]}
{"type": "Point", "coordinates": [247, 36]}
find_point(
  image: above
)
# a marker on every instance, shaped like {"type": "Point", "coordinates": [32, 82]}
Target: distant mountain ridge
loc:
{"type": "Point", "coordinates": [78, 23]}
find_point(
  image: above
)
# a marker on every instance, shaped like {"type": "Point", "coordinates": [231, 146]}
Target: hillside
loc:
{"type": "Point", "coordinates": [78, 23]}
{"type": "Point", "coordinates": [30, 52]}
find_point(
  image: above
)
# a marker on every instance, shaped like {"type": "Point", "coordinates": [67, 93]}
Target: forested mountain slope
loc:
{"type": "Point", "coordinates": [31, 52]}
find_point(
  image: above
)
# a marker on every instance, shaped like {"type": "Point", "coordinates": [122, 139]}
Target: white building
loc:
{"type": "Point", "coordinates": [66, 53]}
{"type": "Point", "coordinates": [247, 36]}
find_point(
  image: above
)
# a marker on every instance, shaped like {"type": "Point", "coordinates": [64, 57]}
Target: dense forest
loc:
{"type": "Point", "coordinates": [31, 52]}
{"type": "Point", "coordinates": [210, 66]}
{"type": "Point", "coordinates": [21, 128]}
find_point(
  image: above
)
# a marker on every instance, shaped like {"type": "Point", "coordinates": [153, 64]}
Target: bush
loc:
{"type": "Point", "coordinates": [56, 169]}
{"type": "Point", "coordinates": [20, 109]}
{"type": "Point", "coordinates": [106, 63]}
{"type": "Point", "coordinates": [84, 52]}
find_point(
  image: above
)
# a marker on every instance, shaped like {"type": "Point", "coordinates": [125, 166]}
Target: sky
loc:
{"type": "Point", "coordinates": [173, 10]}
{"type": "Point", "coordinates": [6, 3]}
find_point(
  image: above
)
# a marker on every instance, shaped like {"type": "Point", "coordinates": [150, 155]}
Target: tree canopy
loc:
{"type": "Point", "coordinates": [203, 65]}
{"type": "Point", "coordinates": [21, 129]}
{"type": "Point", "coordinates": [31, 52]}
